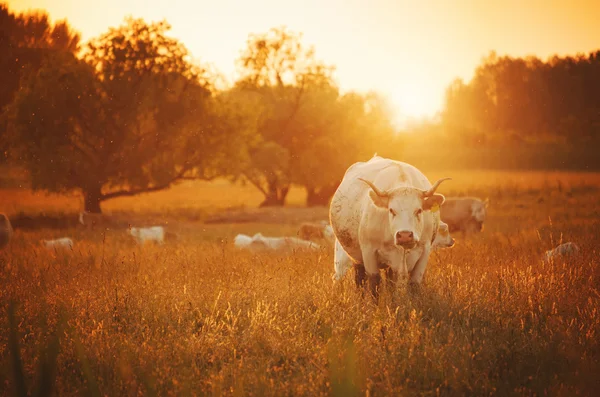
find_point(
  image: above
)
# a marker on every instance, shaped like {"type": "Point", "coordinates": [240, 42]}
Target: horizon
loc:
{"type": "Point", "coordinates": [440, 41]}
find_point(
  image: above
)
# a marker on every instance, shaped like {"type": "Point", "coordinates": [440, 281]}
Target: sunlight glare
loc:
{"type": "Point", "coordinates": [412, 102]}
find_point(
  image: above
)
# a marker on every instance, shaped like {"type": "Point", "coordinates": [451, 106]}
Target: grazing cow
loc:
{"type": "Point", "coordinates": [564, 250]}
{"type": "Point", "coordinates": [258, 242]}
{"type": "Point", "coordinates": [342, 261]}
{"type": "Point", "coordinates": [6, 230]}
{"type": "Point", "coordinates": [385, 214]}
{"type": "Point", "coordinates": [311, 231]}
{"type": "Point", "coordinates": [63, 242]}
{"type": "Point", "coordinates": [145, 234]}
{"type": "Point", "coordinates": [90, 220]}
{"type": "Point", "coordinates": [464, 214]}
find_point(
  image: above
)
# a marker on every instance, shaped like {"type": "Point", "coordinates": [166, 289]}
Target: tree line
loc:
{"type": "Point", "coordinates": [131, 111]}
{"type": "Point", "coordinates": [527, 99]}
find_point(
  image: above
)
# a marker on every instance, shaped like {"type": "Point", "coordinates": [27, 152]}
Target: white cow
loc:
{"type": "Point", "coordinates": [258, 242]}
{"type": "Point", "coordinates": [342, 262]}
{"type": "Point", "coordinates": [63, 242]}
{"type": "Point", "coordinates": [145, 234]}
{"type": "Point", "coordinates": [6, 230]}
{"type": "Point", "coordinates": [384, 214]}
{"type": "Point", "coordinates": [564, 250]}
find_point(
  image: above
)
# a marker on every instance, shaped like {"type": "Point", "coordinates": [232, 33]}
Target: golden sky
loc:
{"type": "Point", "coordinates": [408, 50]}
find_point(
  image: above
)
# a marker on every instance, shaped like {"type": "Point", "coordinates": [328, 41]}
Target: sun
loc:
{"type": "Point", "coordinates": [411, 101]}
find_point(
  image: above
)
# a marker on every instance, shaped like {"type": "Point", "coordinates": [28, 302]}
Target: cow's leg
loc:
{"type": "Point", "coordinates": [372, 270]}
{"type": "Point", "coordinates": [391, 278]}
{"type": "Point", "coordinates": [359, 274]}
{"type": "Point", "coordinates": [416, 275]}
{"type": "Point", "coordinates": [341, 261]}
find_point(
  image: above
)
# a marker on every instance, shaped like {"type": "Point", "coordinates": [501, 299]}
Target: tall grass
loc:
{"type": "Point", "coordinates": [197, 317]}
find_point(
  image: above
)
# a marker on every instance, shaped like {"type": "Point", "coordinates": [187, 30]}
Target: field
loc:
{"type": "Point", "coordinates": [197, 317]}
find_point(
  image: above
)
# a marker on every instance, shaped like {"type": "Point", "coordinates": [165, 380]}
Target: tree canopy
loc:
{"type": "Point", "coordinates": [527, 98]}
{"type": "Point", "coordinates": [308, 131]}
{"type": "Point", "coordinates": [133, 115]}
{"type": "Point", "coordinates": [25, 40]}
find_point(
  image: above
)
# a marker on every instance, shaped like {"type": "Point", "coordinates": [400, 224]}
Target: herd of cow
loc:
{"type": "Point", "coordinates": [385, 214]}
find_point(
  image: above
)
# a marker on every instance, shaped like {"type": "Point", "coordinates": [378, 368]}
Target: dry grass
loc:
{"type": "Point", "coordinates": [197, 317]}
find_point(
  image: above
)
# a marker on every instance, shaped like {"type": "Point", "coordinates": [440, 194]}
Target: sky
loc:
{"type": "Point", "coordinates": [409, 51]}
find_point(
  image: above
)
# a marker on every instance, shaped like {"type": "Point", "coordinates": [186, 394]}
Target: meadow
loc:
{"type": "Point", "coordinates": [198, 317]}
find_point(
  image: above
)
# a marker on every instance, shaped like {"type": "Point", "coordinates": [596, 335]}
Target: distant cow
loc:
{"type": "Point", "coordinates": [258, 242]}
{"type": "Point", "coordinates": [145, 234]}
{"type": "Point", "coordinates": [63, 242]}
{"type": "Point", "coordinates": [312, 231]}
{"type": "Point", "coordinates": [564, 250]}
{"type": "Point", "coordinates": [90, 220]}
{"type": "Point", "coordinates": [6, 231]}
{"type": "Point", "coordinates": [342, 261]}
{"type": "Point", "coordinates": [464, 214]}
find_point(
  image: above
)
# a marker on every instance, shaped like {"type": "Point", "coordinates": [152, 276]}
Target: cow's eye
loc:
{"type": "Point", "coordinates": [392, 212]}
{"type": "Point", "coordinates": [419, 211]}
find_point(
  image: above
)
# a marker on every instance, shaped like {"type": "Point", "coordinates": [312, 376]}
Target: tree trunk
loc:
{"type": "Point", "coordinates": [91, 198]}
{"type": "Point", "coordinates": [276, 196]}
{"type": "Point", "coordinates": [318, 197]}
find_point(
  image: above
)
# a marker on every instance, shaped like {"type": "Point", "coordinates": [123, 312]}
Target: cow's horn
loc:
{"type": "Point", "coordinates": [375, 189]}
{"type": "Point", "coordinates": [430, 192]}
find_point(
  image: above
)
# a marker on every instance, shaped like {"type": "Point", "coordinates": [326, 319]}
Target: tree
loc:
{"type": "Point", "coordinates": [25, 40]}
{"type": "Point", "coordinates": [343, 129]}
{"type": "Point", "coordinates": [134, 115]}
{"type": "Point", "coordinates": [277, 74]}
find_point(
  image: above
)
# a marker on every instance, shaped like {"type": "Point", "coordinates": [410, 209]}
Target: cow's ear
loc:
{"type": "Point", "coordinates": [379, 201]}
{"type": "Point", "coordinates": [486, 202]}
{"type": "Point", "coordinates": [433, 202]}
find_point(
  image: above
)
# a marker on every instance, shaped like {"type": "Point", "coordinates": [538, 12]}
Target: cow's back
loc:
{"type": "Point", "coordinates": [456, 212]}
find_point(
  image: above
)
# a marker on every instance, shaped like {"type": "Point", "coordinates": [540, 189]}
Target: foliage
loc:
{"type": "Point", "coordinates": [134, 115]}
{"type": "Point", "coordinates": [278, 74]}
{"type": "Point", "coordinates": [527, 98]}
{"type": "Point", "coordinates": [25, 40]}
{"type": "Point", "coordinates": [304, 118]}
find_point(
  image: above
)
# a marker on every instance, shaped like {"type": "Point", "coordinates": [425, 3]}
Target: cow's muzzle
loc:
{"type": "Point", "coordinates": [405, 239]}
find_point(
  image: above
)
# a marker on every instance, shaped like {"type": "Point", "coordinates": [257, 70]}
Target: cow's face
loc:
{"type": "Point", "coordinates": [406, 208]}
{"type": "Point", "coordinates": [443, 239]}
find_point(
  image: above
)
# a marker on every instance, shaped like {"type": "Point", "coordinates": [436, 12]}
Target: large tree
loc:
{"type": "Point", "coordinates": [134, 115]}
{"type": "Point", "coordinates": [277, 76]}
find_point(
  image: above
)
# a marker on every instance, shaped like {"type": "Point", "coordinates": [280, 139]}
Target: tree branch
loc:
{"type": "Point", "coordinates": [133, 192]}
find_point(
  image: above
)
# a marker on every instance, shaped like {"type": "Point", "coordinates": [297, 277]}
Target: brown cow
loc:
{"type": "Point", "coordinates": [316, 231]}
{"type": "Point", "coordinates": [6, 230]}
{"type": "Point", "coordinates": [464, 214]}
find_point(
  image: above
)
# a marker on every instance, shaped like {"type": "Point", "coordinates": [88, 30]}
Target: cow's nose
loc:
{"type": "Point", "coordinates": [404, 237]}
